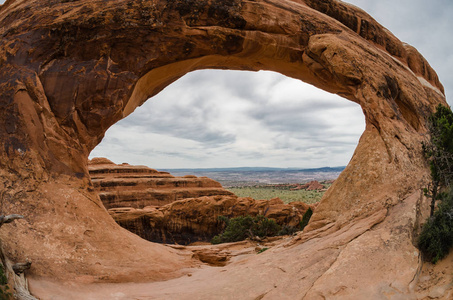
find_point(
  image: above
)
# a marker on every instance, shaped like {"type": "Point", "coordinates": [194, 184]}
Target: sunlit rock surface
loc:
{"type": "Point", "coordinates": [71, 69]}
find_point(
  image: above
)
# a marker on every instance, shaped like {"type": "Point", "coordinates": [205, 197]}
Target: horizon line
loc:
{"type": "Point", "coordinates": [280, 168]}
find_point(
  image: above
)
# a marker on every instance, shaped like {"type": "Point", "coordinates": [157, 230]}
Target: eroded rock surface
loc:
{"type": "Point", "coordinates": [197, 219]}
{"type": "Point", "coordinates": [139, 186]}
{"type": "Point", "coordinates": [162, 208]}
{"type": "Point", "coordinates": [71, 69]}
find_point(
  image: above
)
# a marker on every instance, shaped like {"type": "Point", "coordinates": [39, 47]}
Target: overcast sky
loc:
{"type": "Point", "coordinates": [226, 119]}
{"type": "Point", "coordinates": [233, 118]}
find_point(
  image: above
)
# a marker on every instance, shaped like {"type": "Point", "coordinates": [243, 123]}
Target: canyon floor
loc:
{"type": "Point", "coordinates": [250, 269]}
{"type": "Point", "coordinates": [234, 177]}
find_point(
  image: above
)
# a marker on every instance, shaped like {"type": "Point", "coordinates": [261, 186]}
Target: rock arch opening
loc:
{"type": "Point", "coordinates": [223, 119]}
{"type": "Point", "coordinates": [71, 69]}
{"type": "Point", "coordinates": [237, 119]}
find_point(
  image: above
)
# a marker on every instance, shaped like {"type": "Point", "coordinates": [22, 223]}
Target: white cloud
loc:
{"type": "Point", "coordinates": [226, 118]}
{"type": "Point", "coordinates": [236, 118]}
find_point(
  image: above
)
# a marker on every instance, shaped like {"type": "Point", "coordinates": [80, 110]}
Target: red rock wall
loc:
{"type": "Point", "coordinates": [197, 219]}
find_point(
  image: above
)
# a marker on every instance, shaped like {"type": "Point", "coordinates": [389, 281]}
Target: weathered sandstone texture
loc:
{"type": "Point", "coordinates": [139, 186]}
{"type": "Point", "coordinates": [162, 208]}
{"type": "Point", "coordinates": [71, 69]}
{"type": "Point", "coordinates": [197, 219]}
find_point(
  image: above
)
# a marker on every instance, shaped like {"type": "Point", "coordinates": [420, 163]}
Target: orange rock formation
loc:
{"type": "Point", "coordinates": [196, 219]}
{"type": "Point", "coordinates": [310, 186]}
{"type": "Point", "coordinates": [139, 186]}
{"type": "Point", "coordinates": [71, 69]}
{"type": "Point", "coordinates": [162, 208]}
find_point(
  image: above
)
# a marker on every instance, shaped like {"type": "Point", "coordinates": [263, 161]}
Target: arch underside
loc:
{"type": "Point", "coordinates": [70, 70]}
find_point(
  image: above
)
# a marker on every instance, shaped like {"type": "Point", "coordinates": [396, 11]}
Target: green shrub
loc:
{"type": "Point", "coordinates": [262, 250]}
{"type": "Point", "coordinates": [288, 230]}
{"type": "Point", "coordinates": [439, 152]}
{"type": "Point", "coordinates": [263, 227]}
{"type": "Point", "coordinates": [306, 218]}
{"type": "Point", "coordinates": [216, 240]}
{"type": "Point", "coordinates": [240, 228]}
{"type": "Point", "coordinates": [237, 229]}
{"type": "Point", "coordinates": [436, 238]}
{"type": "Point", "coordinates": [4, 289]}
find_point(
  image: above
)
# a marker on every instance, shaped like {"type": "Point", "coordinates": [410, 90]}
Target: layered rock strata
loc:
{"type": "Point", "coordinates": [139, 186]}
{"type": "Point", "coordinates": [162, 208]}
{"type": "Point", "coordinates": [71, 69]}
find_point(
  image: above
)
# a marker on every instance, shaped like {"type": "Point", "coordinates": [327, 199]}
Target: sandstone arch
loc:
{"type": "Point", "coordinates": [71, 69]}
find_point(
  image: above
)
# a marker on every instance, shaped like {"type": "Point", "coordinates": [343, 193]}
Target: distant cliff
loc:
{"type": "Point", "coordinates": [166, 209]}
{"type": "Point", "coordinates": [139, 186]}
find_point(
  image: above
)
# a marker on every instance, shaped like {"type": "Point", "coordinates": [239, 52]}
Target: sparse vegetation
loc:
{"type": "Point", "coordinates": [243, 227]}
{"type": "Point", "coordinates": [436, 238]}
{"type": "Point", "coordinates": [4, 289]}
{"type": "Point", "coordinates": [283, 192]}
{"type": "Point", "coordinates": [306, 218]}
{"type": "Point", "coordinates": [439, 152]}
{"type": "Point", "coordinates": [262, 250]}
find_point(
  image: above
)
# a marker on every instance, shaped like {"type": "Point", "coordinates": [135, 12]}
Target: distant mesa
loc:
{"type": "Point", "coordinates": [100, 161]}
{"type": "Point", "coordinates": [313, 185]}
{"type": "Point", "coordinates": [163, 208]}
